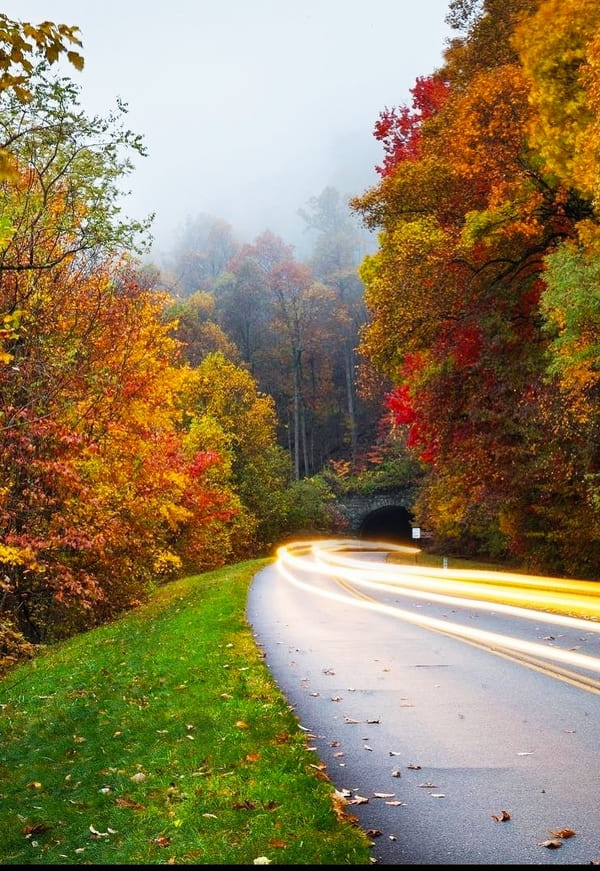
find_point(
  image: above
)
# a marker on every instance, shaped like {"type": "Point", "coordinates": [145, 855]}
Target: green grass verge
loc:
{"type": "Point", "coordinates": [162, 739]}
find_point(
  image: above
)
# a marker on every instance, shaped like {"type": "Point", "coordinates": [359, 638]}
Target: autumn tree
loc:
{"type": "Point", "coordinates": [469, 208]}
{"type": "Point", "coordinates": [225, 401]}
{"type": "Point", "coordinates": [244, 301]}
{"type": "Point", "coordinates": [339, 245]}
{"type": "Point", "coordinates": [197, 329]}
{"type": "Point", "coordinates": [22, 45]}
{"type": "Point", "coordinates": [103, 494]}
{"type": "Point", "coordinates": [204, 248]}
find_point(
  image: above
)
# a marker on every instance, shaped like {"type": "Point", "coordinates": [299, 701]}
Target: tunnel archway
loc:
{"type": "Point", "coordinates": [392, 523]}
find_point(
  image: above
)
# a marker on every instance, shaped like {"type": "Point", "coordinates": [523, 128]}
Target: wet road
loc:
{"type": "Point", "coordinates": [435, 741]}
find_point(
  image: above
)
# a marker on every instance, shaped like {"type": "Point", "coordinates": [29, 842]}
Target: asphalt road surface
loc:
{"type": "Point", "coordinates": [447, 753]}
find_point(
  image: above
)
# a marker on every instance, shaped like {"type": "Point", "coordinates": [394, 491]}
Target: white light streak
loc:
{"type": "Point", "coordinates": [333, 559]}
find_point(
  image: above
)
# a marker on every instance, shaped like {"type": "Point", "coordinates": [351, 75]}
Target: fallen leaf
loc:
{"type": "Point", "coordinates": [562, 833]}
{"type": "Point", "coordinates": [162, 841]}
{"type": "Point", "coordinates": [245, 805]}
{"type": "Point", "coordinates": [275, 843]}
{"type": "Point", "coordinates": [552, 844]}
{"type": "Point", "coordinates": [241, 724]}
{"type": "Point", "coordinates": [501, 817]}
{"type": "Point", "coordinates": [358, 799]}
{"type": "Point", "coordinates": [127, 802]}
{"type": "Point", "coordinates": [339, 802]}
{"type": "Point", "coordinates": [252, 757]}
{"type": "Point", "coordinates": [261, 860]}
{"type": "Point", "coordinates": [37, 829]}
{"type": "Point", "coordinates": [139, 777]}
{"type": "Point", "coordinates": [282, 738]}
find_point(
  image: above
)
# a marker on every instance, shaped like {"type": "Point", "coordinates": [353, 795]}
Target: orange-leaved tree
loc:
{"type": "Point", "coordinates": [470, 204]}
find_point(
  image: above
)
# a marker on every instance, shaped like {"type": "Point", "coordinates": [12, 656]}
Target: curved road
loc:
{"type": "Point", "coordinates": [476, 747]}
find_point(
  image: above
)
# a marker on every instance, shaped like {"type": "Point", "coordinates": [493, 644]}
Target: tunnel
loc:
{"type": "Point", "coordinates": [392, 523]}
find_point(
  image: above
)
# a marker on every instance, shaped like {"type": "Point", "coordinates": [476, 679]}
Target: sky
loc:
{"type": "Point", "coordinates": [247, 108]}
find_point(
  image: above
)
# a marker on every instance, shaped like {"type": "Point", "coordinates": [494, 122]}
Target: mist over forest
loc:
{"type": "Point", "coordinates": [273, 203]}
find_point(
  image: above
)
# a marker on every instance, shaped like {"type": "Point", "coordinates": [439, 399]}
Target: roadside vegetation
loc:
{"type": "Point", "coordinates": [160, 738]}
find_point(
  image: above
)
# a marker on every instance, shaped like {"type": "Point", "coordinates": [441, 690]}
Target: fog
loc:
{"type": "Point", "coordinates": [247, 109]}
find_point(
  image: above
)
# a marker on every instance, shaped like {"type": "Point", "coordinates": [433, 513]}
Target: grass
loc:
{"type": "Point", "coordinates": [162, 739]}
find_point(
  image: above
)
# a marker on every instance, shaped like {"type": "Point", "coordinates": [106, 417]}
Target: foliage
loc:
{"type": "Point", "coordinates": [197, 329]}
{"type": "Point", "coordinates": [481, 295]}
{"type": "Point", "coordinates": [202, 254]}
{"type": "Point", "coordinates": [389, 465]}
{"type": "Point", "coordinates": [22, 44]}
{"type": "Point", "coordinates": [104, 492]}
{"type": "Point", "coordinates": [308, 509]}
{"type": "Point", "coordinates": [64, 196]}
{"type": "Point", "coordinates": [243, 422]}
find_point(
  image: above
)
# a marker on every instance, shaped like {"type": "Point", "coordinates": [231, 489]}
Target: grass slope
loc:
{"type": "Point", "coordinates": [162, 739]}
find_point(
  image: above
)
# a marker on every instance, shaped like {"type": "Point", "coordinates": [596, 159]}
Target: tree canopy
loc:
{"type": "Point", "coordinates": [480, 295]}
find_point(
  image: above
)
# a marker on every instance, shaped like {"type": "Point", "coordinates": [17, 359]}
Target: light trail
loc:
{"type": "Point", "coordinates": [332, 558]}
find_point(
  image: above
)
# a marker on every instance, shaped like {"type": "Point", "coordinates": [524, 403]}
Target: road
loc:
{"type": "Point", "coordinates": [459, 730]}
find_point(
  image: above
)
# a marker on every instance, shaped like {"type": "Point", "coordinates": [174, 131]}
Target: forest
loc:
{"type": "Point", "coordinates": [444, 331]}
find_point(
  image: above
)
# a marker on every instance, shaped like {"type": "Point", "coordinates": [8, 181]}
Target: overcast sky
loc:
{"type": "Point", "coordinates": [248, 108]}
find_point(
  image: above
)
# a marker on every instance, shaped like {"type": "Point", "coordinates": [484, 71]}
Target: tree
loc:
{"type": "Point", "coordinates": [469, 209]}
{"type": "Point", "coordinates": [62, 199]}
{"type": "Point", "coordinates": [244, 301]}
{"type": "Point", "coordinates": [334, 263]}
{"type": "Point", "coordinates": [104, 492]}
{"type": "Point", "coordinates": [205, 247]}
{"type": "Point", "coordinates": [225, 399]}
{"type": "Point", "coordinates": [197, 329]}
{"type": "Point", "coordinates": [21, 45]}
{"type": "Point", "coordinates": [97, 485]}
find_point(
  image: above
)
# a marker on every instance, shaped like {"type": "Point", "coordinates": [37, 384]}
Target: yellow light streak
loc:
{"type": "Point", "coordinates": [333, 559]}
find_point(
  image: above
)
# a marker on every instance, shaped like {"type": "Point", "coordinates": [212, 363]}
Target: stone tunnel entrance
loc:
{"type": "Point", "coordinates": [392, 523]}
